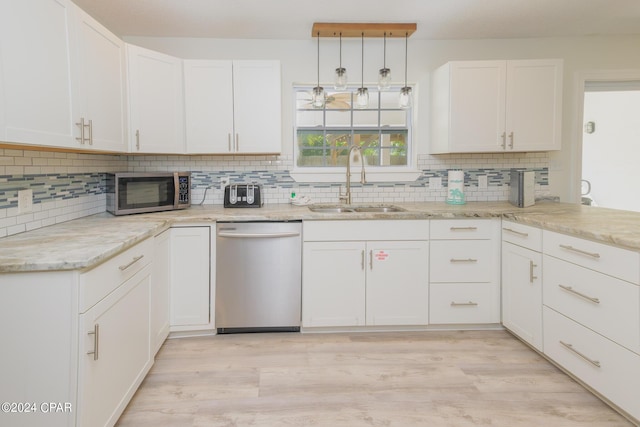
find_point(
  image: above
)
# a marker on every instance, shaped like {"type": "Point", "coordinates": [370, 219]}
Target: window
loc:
{"type": "Point", "coordinates": [323, 136]}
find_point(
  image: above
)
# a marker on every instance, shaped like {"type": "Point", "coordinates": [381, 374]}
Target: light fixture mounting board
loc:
{"type": "Point", "coordinates": [334, 29]}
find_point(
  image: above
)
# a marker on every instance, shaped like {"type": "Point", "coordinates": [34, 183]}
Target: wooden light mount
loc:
{"type": "Point", "coordinates": [334, 29]}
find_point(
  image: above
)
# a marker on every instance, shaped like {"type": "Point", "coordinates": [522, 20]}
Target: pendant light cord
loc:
{"type": "Point", "coordinates": [384, 54]}
{"type": "Point", "coordinates": [406, 55]}
{"type": "Point", "coordinates": [318, 58]}
{"type": "Point", "coordinates": [362, 80]}
{"type": "Point", "coordinates": [340, 50]}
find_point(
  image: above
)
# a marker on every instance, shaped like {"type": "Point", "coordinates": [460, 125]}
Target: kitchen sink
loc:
{"type": "Point", "coordinates": [360, 209]}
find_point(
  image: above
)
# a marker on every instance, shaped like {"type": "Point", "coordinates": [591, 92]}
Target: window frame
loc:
{"type": "Point", "coordinates": [407, 173]}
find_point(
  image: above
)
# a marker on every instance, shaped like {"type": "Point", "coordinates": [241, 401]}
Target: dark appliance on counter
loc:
{"type": "Point", "coordinates": [522, 188]}
{"type": "Point", "coordinates": [243, 196]}
{"type": "Point", "coordinates": [138, 192]}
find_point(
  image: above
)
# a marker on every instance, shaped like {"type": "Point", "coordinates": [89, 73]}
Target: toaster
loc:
{"type": "Point", "coordinates": [243, 196]}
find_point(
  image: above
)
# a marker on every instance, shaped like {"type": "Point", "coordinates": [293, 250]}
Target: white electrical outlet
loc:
{"type": "Point", "coordinates": [435, 183]}
{"type": "Point", "coordinates": [224, 181]}
{"type": "Point", "coordinates": [25, 201]}
{"type": "Point", "coordinates": [482, 182]}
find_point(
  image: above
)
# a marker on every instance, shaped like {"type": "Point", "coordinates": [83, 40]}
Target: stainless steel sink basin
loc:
{"type": "Point", "coordinates": [348, 209]}
{"type": "Point", "coordinates": [379, 209]}
{"type": "Point", "coordinates": [330, 209]}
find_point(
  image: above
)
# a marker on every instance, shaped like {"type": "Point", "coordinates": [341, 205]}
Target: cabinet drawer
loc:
{"type": "Point", "coordinates": [462, 228]}
{"type": "Point", "coordinates": [465, 303]}
{"type": "Point", "coordinates": [353, 230]}
{"type": "Point", "coordinates": [602, 303]}
{"type": "Point", "coordinates": [610, 369]}
{"type": "Point", "coordinates": [461, 261]}
{"type": "Point", "coordinates": [98, 282]}
{"type": "Point", "coordinates": [616, 262]}
{"type": "Point", "coordinates": [522, 235]}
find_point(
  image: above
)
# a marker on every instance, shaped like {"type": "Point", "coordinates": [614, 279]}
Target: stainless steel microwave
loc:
{"type": "Point", "coordinates": [138, 192]}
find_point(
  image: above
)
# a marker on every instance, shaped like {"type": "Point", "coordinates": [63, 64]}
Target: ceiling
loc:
{"type": "Point", "coordinates": [436, 19]}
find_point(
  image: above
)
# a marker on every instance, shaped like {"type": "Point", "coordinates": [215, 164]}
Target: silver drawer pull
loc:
{"type": "Point", "coordinates": [96, 340]}
{"type": "Point", "coordinates": [135, 259]}
{"type": "Point", "coordinates": [463, 228]}
{"type": "Point", "coordinates": [463, 260]}
{"type": "Point", "coordinates": [459, 304]}
{"type": "Point", "coordinates": [580, 251]}
{"type": "Point", "coordinates": [531, 267]}
{"type": "Point", "coordinates": [362, 263]}
{"type": "Point", "coordinates": [519, 233]}
{"type": "Point", "coordinates": [573, 350]}
{"type": "Point", "coordinates": [580, 294]}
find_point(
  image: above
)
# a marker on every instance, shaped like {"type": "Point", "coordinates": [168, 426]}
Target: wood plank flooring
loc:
{"type": "Point", "coordinates": [448, 379]}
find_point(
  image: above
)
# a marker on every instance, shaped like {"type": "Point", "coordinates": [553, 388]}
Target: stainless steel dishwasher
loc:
{"type": "Point", "coordinates": [258, 276]}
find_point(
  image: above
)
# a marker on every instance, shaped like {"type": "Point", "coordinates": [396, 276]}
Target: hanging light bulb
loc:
{"type": "Point", "coordinates": [384, 75]}
{"type": "Point", "coordinates": [340, 78]}
{"type": "Point", "coordinates": [405, 92]}
{"type": "Point", "coordinates": [318, 96]}
{"type": "Point", "coordinates": [362, 96]}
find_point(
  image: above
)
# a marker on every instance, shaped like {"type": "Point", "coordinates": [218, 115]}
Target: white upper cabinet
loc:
{"type": "Point", "coordinates": [497, 106]}
{"type": "Point", "coordinates": [36, 90]}
{"type": "Point", "coordinates": [233, 107]}
{"type": "Point", "coordinates": [100, 62]}
{"type": "Point", "coordinates": [156, 102]}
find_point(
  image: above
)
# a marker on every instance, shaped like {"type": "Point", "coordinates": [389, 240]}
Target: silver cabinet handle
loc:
{"type": "Point", "coordinates": [580, 251]}
{"type": "Point", "coordinates": [463, 228]}
{"type": "Point", "coordinates": [504, 140]}
{"type": "Point", "coordinates": [371, 260]}
{"type": "Point", "coordinates": [581, 355]}
{"type": "Point", "coordinates": [454, 260]}
{"type": "Point", "coordinates": [96, 340]}
{"type": "Point", "coordinates": [362, 262]}
{"type": "Point", "coordinates": [237, 145]}
{"type": "Point", "coordinates": [90, 132]}
{"type": "Point", "coordinates": [511, 140]}
{"type": "Point", "coordinates": [83, 125]}
{"type": "Point", "coordinates": [229, 141]}
{"type": "Point", "coordinates": [137, 139]}
{"type": "Point", "coordinates": [467, 304]}
{"type": "Point", "coordinates": [519, 233]}
{"type": "Point", "coordinates": [135, 259]}
{"type": "Point", "coordinates": [531, 267]}
{"type": "Point", "coordinates": [258, 235]}
{"type": "Point", "coordinates": [580, 294]}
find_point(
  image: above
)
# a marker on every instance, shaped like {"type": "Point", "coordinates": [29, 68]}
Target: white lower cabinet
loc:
{"type": "Point", "coordinates": [159, 292]}
{"type": "Point", "coordinates": [464, 271]}
{"type": "Point", "coordinates": [114, 352]}
{"type": "Point", "coordinates": [192, 264]}
{"type": "Point", "coordinates": [347, 281]}
{"type": "Point", "coordinates": [522, 282]}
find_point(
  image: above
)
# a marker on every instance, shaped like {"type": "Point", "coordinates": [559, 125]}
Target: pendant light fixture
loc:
{"type": "Point", "coordinates": [362, 96]}
{"type": "Point", "coordinates": [318, 97]}
{"type": "Point", "coordinates": [405, 92]}
{"type": "Point", "coordinates": [340, 79]}
{"type": "Point", "coordinates": [384, 75]}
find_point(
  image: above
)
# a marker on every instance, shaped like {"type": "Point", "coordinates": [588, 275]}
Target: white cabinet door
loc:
{"type": "Point", "coordinates": [36, 90]}
{"type": "Point", "coordinates": [233, 106]}
{"type": "Point", "coordinates": [156, 102]}
{"type": "Point", "coordinates": [190, 277]}
{"type": "Point", "coordinates": [333, 284]}
{"type": "Point", "coordinates": [159, 292]}
{"type": "Point", "coordinates": [497, 106]}
{"type": "Point", "coordinates": [114, 351]}
{"type": "Point", "coordinates": [208, 93]}
{"type": "Point", "coordinates": [397, 283]}
{"type": "Point", "coordinates": [257, 106]}
{"type": "Point", "coordinates": [100, 62]}
{"type": "Point", "coordinates": [534, 105]}
{"type": "Point", "coordinates": [522, 293]}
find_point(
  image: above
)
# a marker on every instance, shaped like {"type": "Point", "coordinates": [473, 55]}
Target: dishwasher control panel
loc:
{"type": "Point", "coordinates": [243, 196]}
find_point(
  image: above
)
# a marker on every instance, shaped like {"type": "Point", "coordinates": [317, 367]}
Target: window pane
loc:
{"type": "Point", "coordinates": [390, 99]}
{"type": "Point", "coordinates": [338, 118]}
{"type": "Point", "coordinates": [311, 148]}
{"type": "Point", "coordinates": [393, 118]}
{"type": "Point", "coordinates": [309, 118]}
{"type": "Point", "coordinates": [365, 118]}
{"type": "Point", "coordinates": [338, 100]}
{"type": "Point", "coordinates": [303, 99]}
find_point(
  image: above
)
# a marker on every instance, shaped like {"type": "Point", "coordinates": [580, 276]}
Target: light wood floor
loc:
{"type": "Point", "coordinates": [452, 379]}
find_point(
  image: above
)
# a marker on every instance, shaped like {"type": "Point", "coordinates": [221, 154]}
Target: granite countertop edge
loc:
{"type": "Point", "coordinates": [84, 243]}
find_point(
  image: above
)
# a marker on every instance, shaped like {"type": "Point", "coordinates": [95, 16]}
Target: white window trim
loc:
{"type": "Point", "coordinates": [409, 173]}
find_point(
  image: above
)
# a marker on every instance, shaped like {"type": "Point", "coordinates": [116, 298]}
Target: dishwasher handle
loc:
{"type": "Point", "coordinates": [258, 235]}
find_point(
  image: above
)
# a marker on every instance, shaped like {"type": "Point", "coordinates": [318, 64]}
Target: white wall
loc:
{"type": "Point", "coordinates": [610, 154]}
{"type": "Point", "coordinates": [298, 58]}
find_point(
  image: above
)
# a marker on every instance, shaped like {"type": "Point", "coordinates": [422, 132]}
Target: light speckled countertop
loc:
{"type": "Point", "coordinates": [85, 243]}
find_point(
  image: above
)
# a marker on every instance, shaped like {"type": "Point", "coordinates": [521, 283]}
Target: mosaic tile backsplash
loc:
{"type": "Point", "coordinates": [69, 185]}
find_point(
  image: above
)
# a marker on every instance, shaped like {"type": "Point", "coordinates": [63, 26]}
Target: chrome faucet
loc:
{"type": "Point", "coordinates": [346, 197]}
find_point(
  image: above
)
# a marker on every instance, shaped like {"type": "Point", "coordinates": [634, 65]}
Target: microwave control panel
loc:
{"type": "Point", "coordinates": [183, 190]}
